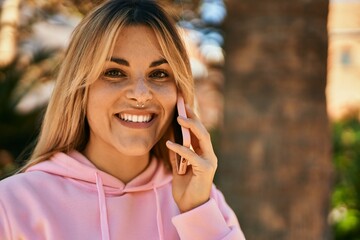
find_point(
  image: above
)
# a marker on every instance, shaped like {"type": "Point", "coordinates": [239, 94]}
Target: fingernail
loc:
{"type": "Point", "coordinates": [168, 142]}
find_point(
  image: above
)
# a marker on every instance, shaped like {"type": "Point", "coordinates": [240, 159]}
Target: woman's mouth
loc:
{"type": "Point", "coordinates": [136, 118]}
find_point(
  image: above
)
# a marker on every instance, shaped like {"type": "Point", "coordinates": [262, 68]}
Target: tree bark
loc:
{"type": "Point", "coordinates": [9, 20]}
{"type": "Point", "coordinates": [275, 165]}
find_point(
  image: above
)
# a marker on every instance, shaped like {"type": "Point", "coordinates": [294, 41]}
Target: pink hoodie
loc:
{"type": "Point", "coordinates": [67, 197]}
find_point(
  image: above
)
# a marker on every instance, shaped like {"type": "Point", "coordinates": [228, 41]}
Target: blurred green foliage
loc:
{"type": "Point", "coordinates": [345, 215]}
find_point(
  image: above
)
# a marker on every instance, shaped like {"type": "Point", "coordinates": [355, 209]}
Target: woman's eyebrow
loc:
{"type": "Point", "coordinates": [158, 62]}
{"type": "Point", "coordinates": [122, 61]}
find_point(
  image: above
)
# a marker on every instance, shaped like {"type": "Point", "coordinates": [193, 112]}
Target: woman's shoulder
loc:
{"type": "Point", "coordinates": [21, 183]}
{"type": "Point", "coordinates": [23, 177]}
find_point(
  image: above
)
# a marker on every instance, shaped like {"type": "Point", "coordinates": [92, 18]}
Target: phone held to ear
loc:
{"type": "Point", "coordinates": [183, 137]}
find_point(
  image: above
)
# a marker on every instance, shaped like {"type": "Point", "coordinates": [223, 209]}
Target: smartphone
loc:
{"type": "Point", "coordinates": [182, 136]}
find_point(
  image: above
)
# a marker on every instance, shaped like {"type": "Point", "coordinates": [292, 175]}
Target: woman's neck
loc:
{"type": "Point", "coordinates": [124, 168]}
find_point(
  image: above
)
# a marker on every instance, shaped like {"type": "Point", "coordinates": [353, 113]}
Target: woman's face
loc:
{"type": "Point", "coordinates": [132, 103]}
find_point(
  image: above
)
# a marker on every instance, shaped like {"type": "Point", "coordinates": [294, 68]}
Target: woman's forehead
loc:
{"type": "Point", "coordinates": [137, 41]}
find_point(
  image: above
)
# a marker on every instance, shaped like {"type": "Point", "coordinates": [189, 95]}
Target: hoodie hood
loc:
{"type": "Point", "coordinates": [77, 167]}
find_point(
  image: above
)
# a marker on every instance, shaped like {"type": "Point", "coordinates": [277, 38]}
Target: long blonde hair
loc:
{"type": "Point", "coordinates": [65, 126]}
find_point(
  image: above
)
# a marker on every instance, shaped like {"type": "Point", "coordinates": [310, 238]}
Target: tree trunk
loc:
{"type": "Point", "coordinates": [275, 165]}
{"type": "Point", "coordinates": [9, 20]}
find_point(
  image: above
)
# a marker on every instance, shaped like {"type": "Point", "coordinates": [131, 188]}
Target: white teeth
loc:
{"type": "Point", "coordinates": [135, 118]}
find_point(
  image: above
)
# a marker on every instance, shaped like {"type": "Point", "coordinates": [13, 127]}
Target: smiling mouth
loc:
{"type": "Point", "coordinates": [135, 118]}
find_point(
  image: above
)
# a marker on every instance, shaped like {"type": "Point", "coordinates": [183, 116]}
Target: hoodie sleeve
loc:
{"type": "Point", "coordinates": [4, 224]}
{"type": "Point", "coordinates": [214, 220]}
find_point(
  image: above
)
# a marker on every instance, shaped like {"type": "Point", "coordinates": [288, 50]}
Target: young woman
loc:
{"type": "Point", "coordinates": [104, 165]}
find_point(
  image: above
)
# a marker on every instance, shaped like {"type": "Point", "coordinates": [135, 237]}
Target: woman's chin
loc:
{"type": "Point", "coordinates": [135, 150]}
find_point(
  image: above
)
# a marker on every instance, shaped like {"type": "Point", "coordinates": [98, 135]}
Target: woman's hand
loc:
{"type": "Point", "coordinates": [193, 189]}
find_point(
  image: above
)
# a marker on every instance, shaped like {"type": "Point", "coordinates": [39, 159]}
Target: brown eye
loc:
{"type": "Point", "coordinates": [114, 73]}
{"type": "Point", "coordinates": [160, 74]}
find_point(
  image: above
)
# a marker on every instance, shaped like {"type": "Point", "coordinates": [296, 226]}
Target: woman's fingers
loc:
{"type": "Point", "coordinates": [194, 123]}
{"type": "Point", "coordinates": [185, 152]}
{"type": "Point", "coordinates": [198, 163]}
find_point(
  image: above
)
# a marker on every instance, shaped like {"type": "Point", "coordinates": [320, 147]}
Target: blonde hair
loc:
{"type": "Point", "coordinates": [65, 126]}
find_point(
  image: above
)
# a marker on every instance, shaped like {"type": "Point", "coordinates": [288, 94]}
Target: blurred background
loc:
{"type": "Point", "coordinates": [278, 87]}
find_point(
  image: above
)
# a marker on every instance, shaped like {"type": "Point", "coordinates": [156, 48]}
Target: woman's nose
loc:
{"type": "Point", "coordinates": [140, 91]}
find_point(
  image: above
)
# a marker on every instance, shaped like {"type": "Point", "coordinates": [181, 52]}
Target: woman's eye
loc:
{"type": "Point", "coordinates": [114, 73]}
{"type": "Point", "coordinates": [159, 74]}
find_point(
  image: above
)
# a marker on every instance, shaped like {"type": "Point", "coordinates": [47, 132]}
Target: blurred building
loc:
{"type": "Point", "coordinates": [343, 84]}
